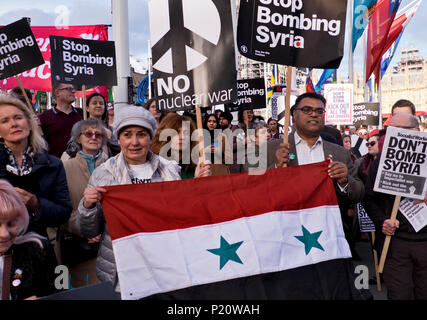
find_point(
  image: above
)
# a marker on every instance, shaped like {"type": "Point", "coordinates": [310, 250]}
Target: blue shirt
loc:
{"type": "Point", "coordinates": [90, 160]}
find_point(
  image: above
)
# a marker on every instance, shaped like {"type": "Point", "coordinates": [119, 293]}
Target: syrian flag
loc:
{"type": "Point", "coordinates": [239, 236]}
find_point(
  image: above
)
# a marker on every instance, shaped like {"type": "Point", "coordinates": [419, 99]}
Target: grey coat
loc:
{"type": "Point", "coordinates": [91, 222]}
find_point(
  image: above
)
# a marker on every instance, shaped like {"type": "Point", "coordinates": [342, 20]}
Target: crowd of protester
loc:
{"type": "Point", "coordinates": [50, 209]}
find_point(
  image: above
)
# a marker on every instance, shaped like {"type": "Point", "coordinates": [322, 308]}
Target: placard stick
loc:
{"type": "Point", "coordinates": [84, 102]}
{"type": "Point", "coordinates": [200, 130]}
{"type": "Point", "coordinates": [377, 274]}
{"type": "Point", "coordinates": [287, 105]}
{"type": "Point", "coordinates": [388, 238]}
{"type": "Point", "coordinates": [29, 104]}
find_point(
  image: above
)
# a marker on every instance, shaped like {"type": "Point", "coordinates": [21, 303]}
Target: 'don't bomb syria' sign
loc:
{"type": "Point", "coordinates": [403, 164]}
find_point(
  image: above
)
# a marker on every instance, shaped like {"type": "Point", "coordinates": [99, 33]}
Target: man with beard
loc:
{"type": "Point", "coordinates": [225, 119]}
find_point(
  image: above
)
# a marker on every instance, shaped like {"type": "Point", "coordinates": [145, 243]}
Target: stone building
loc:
{"type": "Point", "coordinates": [406, 80]}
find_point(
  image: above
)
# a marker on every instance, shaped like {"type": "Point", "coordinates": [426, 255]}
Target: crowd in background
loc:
{"type": "Point", "coordinates": [53, 167]}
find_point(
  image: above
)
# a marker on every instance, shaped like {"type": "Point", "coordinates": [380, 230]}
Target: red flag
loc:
{"type": "Point", "coordinates": [203, 238]}
{"type": "Point", "coordinates": [309, 87]}
{"type": "Point", "coordinates": [378, 30]}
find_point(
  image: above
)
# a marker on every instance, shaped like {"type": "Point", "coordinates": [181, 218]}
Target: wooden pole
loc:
{"type": "Point", "coordinates": [377, 274]}
{"type": "Point", "coordinates": [84, 102]}
{"type": "Point", "coordinates": [287, 105]}
{"type": "Point", "coordinates": [388, 238]}
{"type": "Point", "coordinates": [29, 104]}
{"type": "Point", "coordinates": [200, 130]}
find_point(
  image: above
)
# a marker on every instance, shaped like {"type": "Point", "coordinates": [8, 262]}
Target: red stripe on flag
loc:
{"type": "Point", "coordinates": [162, 206]}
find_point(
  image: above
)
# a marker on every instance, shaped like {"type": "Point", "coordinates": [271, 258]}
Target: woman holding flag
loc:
{"type": "Point", "coordinates": [135, 127]}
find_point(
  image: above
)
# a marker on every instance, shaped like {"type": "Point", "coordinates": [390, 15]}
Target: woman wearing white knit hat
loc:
{"type": "Point", "coordinates": [134, 127]}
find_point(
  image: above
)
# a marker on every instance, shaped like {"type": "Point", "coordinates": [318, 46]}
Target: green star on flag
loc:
{"type": "Point", "coordinates": [227, 252]}
{"type": "Point", "coordinates": [310, 240]}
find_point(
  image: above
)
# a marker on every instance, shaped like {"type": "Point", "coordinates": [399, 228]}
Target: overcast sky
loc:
{"type": "Point", "coordinates": [84, 12]}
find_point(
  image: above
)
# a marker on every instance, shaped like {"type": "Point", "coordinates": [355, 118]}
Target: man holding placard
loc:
{"type": "Point", "coordinates": [402, 171]}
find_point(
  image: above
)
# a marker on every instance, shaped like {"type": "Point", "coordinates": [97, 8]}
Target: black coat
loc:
{"type": "Point", "coordinates": [48, 182]}
{"type": "Point", "coordinates": [379, 206]}
{"type": "Point", "coordinates": [36, 267]}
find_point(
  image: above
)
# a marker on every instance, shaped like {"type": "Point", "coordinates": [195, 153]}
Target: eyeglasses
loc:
{"type": "Point", "coordinates": [310, 110]}
{"type": "Point", "coordinates": [372, 143]}
{"type": "Point", "coordinates": [70, 89]}
{"type": "Point", "coordinates": [90, 134]}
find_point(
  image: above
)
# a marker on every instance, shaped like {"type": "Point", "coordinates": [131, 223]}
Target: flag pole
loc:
{"type": "Point", "coordinates": [380, 111]}
{"type": "Point", "coordinates": [365, 56]}
{"type": "Point", "coordinates": [84, 102]}
{"type": "Point", "coordinates": [265, 88]}
{"type": "Point", "coordinates": [287, 105]}
{"type": "Point", "coordinates": [388, 238]}
{"type": "Point", "coordinates": [29, 104]}
{"type": "Point", "coordinates": [350, 43]}
{"type": "Point", "coordinates": [149, 70]}
{"type": "Point", "coordinates": [200, 131]}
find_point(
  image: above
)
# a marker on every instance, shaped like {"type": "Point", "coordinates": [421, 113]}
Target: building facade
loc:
{"type": "Point", "coordinates": [406, 80]}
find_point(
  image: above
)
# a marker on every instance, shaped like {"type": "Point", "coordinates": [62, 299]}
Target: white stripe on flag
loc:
{"type": "Point", "coordinates": [150, 263]}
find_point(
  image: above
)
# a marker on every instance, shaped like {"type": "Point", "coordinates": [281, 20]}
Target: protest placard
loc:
{"type": "Point", "coordinates": [83, 62]}
{"type": "Point", "coordinates": [192, 44]}
{"type": "Point", "coordinates": [403, 165]}
{"type": "Point", "coordinates": [339, 104]}
{"type": "Point", "coordinates": [18, 49]}
{"type": "Point", "coordinates": [415, 214]}
{"type": "Point", "coordinates": [300, 33]}
{"type": "Point", "coordinates": [366, 114]}
{"type": "Point", "coordinates": [365, 223]}
{"type": "Point", "coordinates": [38, 78]}
{"type": "Point", "coordinates": [250, 95]}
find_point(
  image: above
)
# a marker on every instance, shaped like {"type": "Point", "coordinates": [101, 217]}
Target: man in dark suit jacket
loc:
{"type": "Point", "coordinates": [309, 123]}
{"type": "Point", "coordinates": [306, 146]}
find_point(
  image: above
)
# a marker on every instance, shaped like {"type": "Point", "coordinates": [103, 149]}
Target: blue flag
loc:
{"type": "Point", "coordinates": [371, 91]}
{"type": "Point", "coordinates": [327, 76]}
{"type": "Point", "coordinates": [361, 15]}
{"type": "Point", "coordinates": [388, 56]}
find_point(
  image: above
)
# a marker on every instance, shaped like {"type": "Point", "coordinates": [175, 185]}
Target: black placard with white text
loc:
{"type": "Point", "coordinates": [83, 62]}
{"type": "Point", "coordinates": [366, 114]}
{"type": "Point", "coordinates": [250, 95]}
{"type": "Point", "coordinates": [300, 33]}
{"type": "Point", "coordinates": [193, 53]}
{"type": "Point", "coordinates": [19, 50]}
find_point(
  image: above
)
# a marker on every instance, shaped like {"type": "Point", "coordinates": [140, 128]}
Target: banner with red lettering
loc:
{"type": "Point", "coordinates": [39, 78]}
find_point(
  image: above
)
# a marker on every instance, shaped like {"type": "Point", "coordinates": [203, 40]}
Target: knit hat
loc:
{"type": "Point", "coordinates": [131, 115]}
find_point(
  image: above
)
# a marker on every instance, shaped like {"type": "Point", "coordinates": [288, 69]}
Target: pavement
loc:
{"type": "Point", "coordinates": [364, 250]}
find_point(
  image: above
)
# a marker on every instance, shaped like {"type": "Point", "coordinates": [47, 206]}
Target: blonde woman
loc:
{"type": "Point", "coordinates": [38, 177]}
